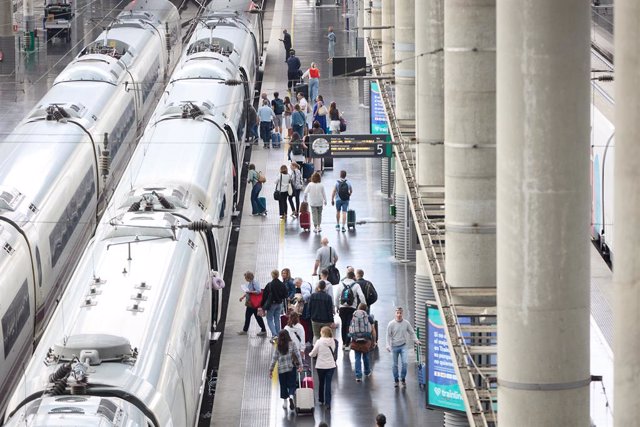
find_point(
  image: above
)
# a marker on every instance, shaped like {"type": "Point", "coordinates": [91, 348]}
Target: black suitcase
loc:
{"type": "Point", "coordinates": [304, 88]}
{"type": "Point", "coordinates": [307, 170]}
{"type": "Point", "coordinates": [328, 163]}
{"type": "Point", "coordinates": [351, 219]}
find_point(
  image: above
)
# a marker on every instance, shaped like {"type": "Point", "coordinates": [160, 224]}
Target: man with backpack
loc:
{"type": "Point", "coordinates": [363, 340]}
{"type": "Point", "coordinates": [278, 109]}
{"type": "Point", "coordinates": [347, 295]}
{"type": "Point", "coordinates": [369, 291]}
{"type": "Point", "coordinates": [340, 197]}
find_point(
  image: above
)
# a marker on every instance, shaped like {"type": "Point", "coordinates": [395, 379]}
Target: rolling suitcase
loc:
{"type": "Point", "coordinates": [262, 205]}
{"type": "Point", "coordinates": [307, 170]}
{"type": "Point", "coordinates": [351, 219]}
{"type": "Point", "coordinates": [328, 163]}
{"type": "Point", "coordinates": [305, 221]}
{"type": "Point", "coordinates": [305, 400]}
{"type": "Point", "coordinates": [276, 139]}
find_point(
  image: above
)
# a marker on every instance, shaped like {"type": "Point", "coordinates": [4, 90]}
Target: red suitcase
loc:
{"type": "Point", "coordinates": [305, 221]}
{"type": "Point", "coordinates": [284, 319]}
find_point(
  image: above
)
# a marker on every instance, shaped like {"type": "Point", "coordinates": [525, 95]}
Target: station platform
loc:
{"type": "Point", "coordinates": [245, 395]}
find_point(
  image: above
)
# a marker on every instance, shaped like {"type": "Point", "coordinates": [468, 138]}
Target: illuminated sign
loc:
{"type": "Point", "coordinates": [377, 117]}
{"type": "Point", "coordinates": [343, 145]}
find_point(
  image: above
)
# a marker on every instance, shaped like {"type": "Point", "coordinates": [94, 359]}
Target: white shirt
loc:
{"type": "Point", "coordinates": [322, 349]}
{"type": "Point", "coordinates": [297, 329]}
{"type": "Point", "coordinates": [315, 195]}
{"type": "Point", "coordinates": [358, 296]}
{"type": "Point", "coordinates": [304, 106]}
{"type": "Point", "coordinates": [282, 186]}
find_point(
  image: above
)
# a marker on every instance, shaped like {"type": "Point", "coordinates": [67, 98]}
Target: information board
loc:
{"type": "Point", "coordinates": [377, 118]}
{"type": "Point", "coordinates": [345, 145]}
{"type": "Point", "coordinates": [443, 391]}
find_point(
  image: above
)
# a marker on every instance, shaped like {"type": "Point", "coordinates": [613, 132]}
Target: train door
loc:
{"type": "Point", "coordinates": [234, 158]}
{"type": "Point", "coordinates": [247, 102]}
{"type": "Point", "coordinates": [213, 265]}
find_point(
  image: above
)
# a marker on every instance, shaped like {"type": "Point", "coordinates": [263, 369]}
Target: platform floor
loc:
{"type": "Point", "coordinates": [245, 394]}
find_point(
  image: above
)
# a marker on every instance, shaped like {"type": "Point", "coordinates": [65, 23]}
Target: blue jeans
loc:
{"type": "Point", "coordinates": [324, 388]}
{"type": "Point", "coordinates": [265, 132]}
{"type": "Point", "coordinates": [313, 89]}
{"type": "Point", "coordinates": [401, 353]}
{"type": "Point", "coordinates": [254, 131]}
{"type": "Point", "coordinates": [367, 368]}
{"type": "Point", "coordinates": [273, 320]}
{"type": "Point", "coordinates": [255, 192]}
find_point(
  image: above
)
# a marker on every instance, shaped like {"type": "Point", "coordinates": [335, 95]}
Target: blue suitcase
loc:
{"type": "Point", "coordinates": [262, 205]}
{"type": "Point", "coordinates": [276, 139]}
{"type": "Point", "coordinates": [307, 170]}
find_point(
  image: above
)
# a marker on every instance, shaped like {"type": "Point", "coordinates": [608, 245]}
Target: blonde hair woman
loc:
{"type": "Point", "coordinates": [325, 350]}
{"type": "Point", "coordinates": [315, 195]}
{"type": "Point", "coordinates": [313, 73]}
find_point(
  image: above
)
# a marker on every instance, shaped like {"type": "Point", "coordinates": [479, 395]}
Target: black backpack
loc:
{"type": "Point", "coordinates": [343, 190]}
{"type": "Point", "coordinates": [347, 296]}
{"type": "Point", "coordinates": [278, 106]}
{"type": "Point", "coordinates": [370, 294]}
{"type": "Point", "coordinates": [296, 148]}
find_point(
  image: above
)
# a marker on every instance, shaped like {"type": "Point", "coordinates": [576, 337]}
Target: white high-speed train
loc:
{"type": "Point", "coordinates": [61, 163]}
{"type": "Point", "coordinates": [129, 341]}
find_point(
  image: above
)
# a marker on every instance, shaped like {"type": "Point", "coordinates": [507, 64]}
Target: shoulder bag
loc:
{"type": "Point", "coordinates": [276, 192]}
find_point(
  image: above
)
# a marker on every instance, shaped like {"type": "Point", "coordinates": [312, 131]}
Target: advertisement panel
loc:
{"type": "Point", "coordinates": [377, 118]}
{"type": "Point", "coordinates": [443, 391]}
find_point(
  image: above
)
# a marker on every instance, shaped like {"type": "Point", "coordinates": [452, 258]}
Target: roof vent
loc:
{"type": "Point", "coordinates": [102, 347]}
{"type": "Point", "coordinates": [10, 198]}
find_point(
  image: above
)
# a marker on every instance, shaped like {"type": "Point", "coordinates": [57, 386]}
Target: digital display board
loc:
{"type": "Point", "coordinates": [344, 145]}
{"type": "Point", "coordinates": [377, 118]}
{"type": "Point", "coordinates": [443, 391]}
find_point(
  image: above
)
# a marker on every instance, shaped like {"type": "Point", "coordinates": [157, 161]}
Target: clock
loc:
{"type": "Point", "coordinates": [320, 146]}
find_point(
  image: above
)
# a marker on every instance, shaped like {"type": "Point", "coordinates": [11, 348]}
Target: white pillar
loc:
{"type": "Point", "coordinates": [626, 274]}
{"type": "Point", "coordinates": [387, 36]}
{"type": "Point", "coordinates": [376, 19]}
{"type": "Point", "coordinates": [543, 97]}
{"type": "Point", "coordinates": [405, 71]}
{"type": "Point", "coordinates": [429, 35]}
{"type": "Point", "coordinates": [470, 169]}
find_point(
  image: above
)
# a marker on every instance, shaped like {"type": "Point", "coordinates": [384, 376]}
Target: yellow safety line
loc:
{"type": "Point", "coordinates": [293, 8]}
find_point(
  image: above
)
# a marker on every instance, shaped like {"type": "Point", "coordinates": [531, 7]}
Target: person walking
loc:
{"type": "Point", "coordinates": [346, 296]}
{"type": "Point", "coordinates": [288, 111]}
{"type": "Point", "coordinates": [369, 291]}
{"type": "Point", "coordinates": [340, 196]}
{"type": "Point", "coordinates": [272, 299]}
{"type": "Point", "coordinates": [325, 349]}
{"type": "Point", "coordinates": [267, 116]}
{"type": "Point", "coordinates": [298, 121]}
{"type": "Point", "coordinates": [362, 336]}
{"type": "Point", "coordinates": [314, 194]}
{"type": "Point", "coordinates": [325, 256]}
{"type": "Point", "coordinates": [255, 179]}
{"type": "Point", "coordinates": [293, 70]}
{"type": "Point", "coordinates": [287, 356]}
{"type": "Point", "coordinates": [252, 287]}
{"type": "Point", "coordinates": [334, 118]}
{"type": "Point", "coordinates": [286, 40]}
{"type": "Point", "coordinates": [277, 105]}
{"type": "Point", "coordinates": [320, 112]}
{"type": "Point", "coordinates": [296, 333]}
{"type": "Point", "coordinates": [313, 74]}
{"type": "Point", "coordinates": [288, 282]}
{"type": "Point", "coordinates": [320, 309]}
{"type": "Point", "coordinates": [331, 37]}
{"type": "Point", "coordinates": [399, 331]}
{"type": "Point", "coordinates": [283, 183]}
{"type": "Point", "coordinates": [297, 184]}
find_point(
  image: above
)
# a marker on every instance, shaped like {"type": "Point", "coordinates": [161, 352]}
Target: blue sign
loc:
{"type": "Point", "coordinates": [378, 119]}
{"type": "Point", "coordinates": [443, 391]}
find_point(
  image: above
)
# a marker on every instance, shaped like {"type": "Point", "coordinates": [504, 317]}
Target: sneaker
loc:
{"type": "Point", "coordinates": [242, 332]}
{"type": "Point", "coordinates": [358, 380]}
{"type": "Point", "coordinates": [368, 375]}
{"type": "Point", "coordinates": [344, 229]}
{"type": "Point", "coordinates": [292, 405]}
{"type": "Point", "coordinates": [404, 383]}
{"type": "Point", "coordinates": [262, 333]}
{"type": "Point", "coordinates": [396, 384]}
{"type": "Point", "coordinates": [319, 229]}
{"type": "Point", "coordinates": [337, 226]}
{"type": "Point", "coordinates": [346, 348]}
{"type": "Point", "coordinates": [273, 339]}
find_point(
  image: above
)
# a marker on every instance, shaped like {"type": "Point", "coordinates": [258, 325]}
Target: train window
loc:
{"type": "Point", "coordinates": [223, 207]}
{"type": "Point", "coordinates": [39, 266]}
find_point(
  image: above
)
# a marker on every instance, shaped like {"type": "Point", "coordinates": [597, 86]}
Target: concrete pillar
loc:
{"type": "Point", "coordinates": [7, 39]}
{"type": "Point", "coordinates": [405, 71]}
{"type": "Point", "coordinates": [423, 292]}
{"type": "Point", "coordinates": [368, 5]}
{"type": "Point", "coordinates": [400, 232]}
{"type": "Point", "coordinates": [387, 36]}
{"type": "Point", "coordinates": [543, 97]}
{"type": "Point", "coordinates": [429, 35]}
{"type": "Point", "coordinates": [28, 14]}
{"type": "Point", "coordinates": [626, 274]}
{"type": "Point", "coordinates": [376, 19]}
{"type": "Point", "coordinates": [470, 169]}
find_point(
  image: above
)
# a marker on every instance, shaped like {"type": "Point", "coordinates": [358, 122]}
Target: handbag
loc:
{"type": "Point", "coordinates": [290, 189]}
{"type": "Point", "coordinates": [261, 177]}
{"type": "Point", "coordinates": [322, 111]}
{"type": "Point", "coordinates": [343, 124]}
{"type": "Point", "coordinates": [255, 300]}
{"type": "Point", "coordinates": [334, 275]}
{"type": "Point", "coordinates": [276, 192]}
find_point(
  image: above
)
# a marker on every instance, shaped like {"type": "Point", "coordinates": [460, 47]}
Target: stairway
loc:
{"type": "Point", "coordinates": [472, 343]}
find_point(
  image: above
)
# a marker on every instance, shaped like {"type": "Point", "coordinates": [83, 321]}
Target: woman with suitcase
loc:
{"type": "Point", "coordinates": [325, 350]}
{"type": "Point", "coordinates": [288, 358]}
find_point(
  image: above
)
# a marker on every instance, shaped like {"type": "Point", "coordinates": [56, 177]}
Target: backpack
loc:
{"type": "Point", "coordinates": [278, 107]}
{"type": "Point", "coordinates": [360, 328]}
{"type": "Point", "coordinates": [343, 190]}
{"type": "Point", "coordinates": [347, 296]}
{"type": "Point", "coordinates": [296, 149]}
{"type": "Point", "coordinates": [370, 294]}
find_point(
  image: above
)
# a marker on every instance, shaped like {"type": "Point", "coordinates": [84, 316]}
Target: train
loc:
{"type": "Point", "coordinates": [61, 163]}
{"type": "Point", "coordinates": [130, 340]}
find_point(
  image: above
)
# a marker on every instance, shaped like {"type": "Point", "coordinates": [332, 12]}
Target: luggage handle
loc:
{"type": "Point", "coordinates": [300, 379]}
